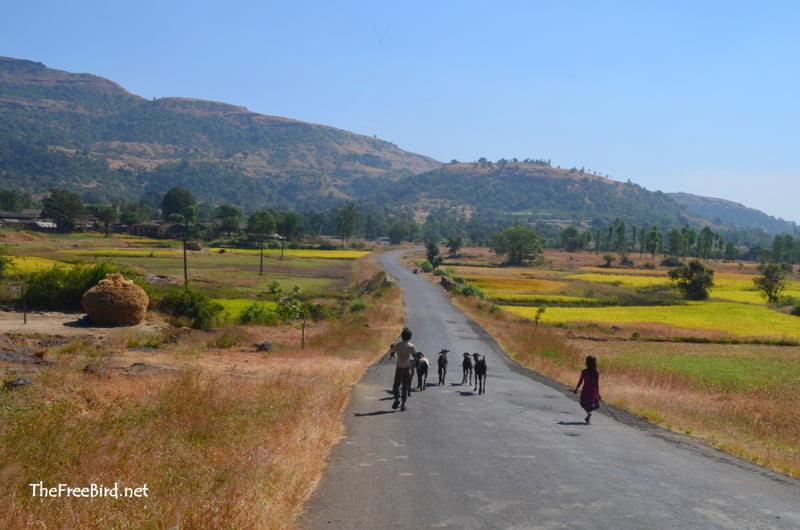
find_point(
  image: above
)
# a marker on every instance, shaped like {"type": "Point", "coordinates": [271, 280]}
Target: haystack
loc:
{"type": "Point", "coordinates": [115, 301]}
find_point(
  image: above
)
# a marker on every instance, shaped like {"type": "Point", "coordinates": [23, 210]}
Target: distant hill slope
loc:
{"type": "Point", "coordinates": [733, 214]}
{"type": "Point", "coordinates": [539, 192]}
{"type": "Point", "coordinates": [87, 134]}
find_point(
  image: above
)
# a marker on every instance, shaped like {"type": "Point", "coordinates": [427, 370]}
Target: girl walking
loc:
{"type": "Point", "coordinates": [590, 395]}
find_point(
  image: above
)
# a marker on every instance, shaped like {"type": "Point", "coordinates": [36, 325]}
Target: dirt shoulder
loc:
{"type": "Point", "coordinates": [60, 324]}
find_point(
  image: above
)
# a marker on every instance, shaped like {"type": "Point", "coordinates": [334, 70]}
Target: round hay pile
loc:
{"type": "Point", "coordinates": [115, 301]}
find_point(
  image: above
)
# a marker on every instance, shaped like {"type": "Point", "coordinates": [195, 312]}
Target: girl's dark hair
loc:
{"type": "Point", "coordinates": [591, 362]}
{"type": "Point", "coordinates": [405, 334]}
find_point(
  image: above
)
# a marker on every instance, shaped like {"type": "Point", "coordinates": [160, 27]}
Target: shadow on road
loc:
{"type": "Point", "coordinates": [376, 413]}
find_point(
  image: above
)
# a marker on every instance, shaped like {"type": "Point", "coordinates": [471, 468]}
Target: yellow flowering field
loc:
{"type": "Point", "coordinates": [629, 281]}
{"type": "Point", "coordinates": [514, 285]}
{"type": "Point", "coordinates": [541, 299]}
{"type": "Point", "coordinates": [26, 264]}
{"type": "Point", "coordinates": [739, 320]}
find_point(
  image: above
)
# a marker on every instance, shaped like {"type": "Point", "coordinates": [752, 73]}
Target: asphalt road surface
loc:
{"type": "Point", "coordinates": [520, 456]}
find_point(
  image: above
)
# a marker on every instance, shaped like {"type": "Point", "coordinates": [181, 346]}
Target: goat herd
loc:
{"type": "Point", "coordinates": [472, 363]}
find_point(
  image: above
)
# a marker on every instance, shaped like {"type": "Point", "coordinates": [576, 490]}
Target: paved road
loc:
{"type": "Point", "coordinates": [519, 456]}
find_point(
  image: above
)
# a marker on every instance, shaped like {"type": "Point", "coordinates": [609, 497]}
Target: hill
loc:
{"type": "Point", "coordinates": [733, 214]}
{"type": "Point", "coordinates": [87, 134]}
{"type": "Point", "coordinates": [535, 191]}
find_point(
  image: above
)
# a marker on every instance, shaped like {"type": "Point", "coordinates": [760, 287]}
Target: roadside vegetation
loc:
{"type": "Point", "coordinates": [226, 434]}
{"type": "Point", "coordinates": [220, 433]}
{"type": "Point", "coordinates": [724, 370]}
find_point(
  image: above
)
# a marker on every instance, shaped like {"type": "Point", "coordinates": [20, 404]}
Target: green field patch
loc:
{"type": "Point", "coordinates": [723, 373]}
{"type": "Point", "coordinates": [740, 320]}
{"type": "Point", "coordinates": [235, 307]}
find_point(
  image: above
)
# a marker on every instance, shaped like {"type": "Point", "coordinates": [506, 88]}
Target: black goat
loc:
{"type": "Point", "coordinates": [422, 371]}
{"type": "Point", "coordinates": [442, 363]}
{"type": "Point", "coordinates": [480, 373]}
{"type": "Point", "coordinates": [467, 365]}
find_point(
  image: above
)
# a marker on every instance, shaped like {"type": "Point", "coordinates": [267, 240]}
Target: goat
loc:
{"type": "Point", "coordinates": [442, 363]}
{"type": "Point", "coordinates": [467, 366]}
{"type": "Point", "coordinates": [480, 373]}
{"type": "Point", "coordinates": [422, 371]}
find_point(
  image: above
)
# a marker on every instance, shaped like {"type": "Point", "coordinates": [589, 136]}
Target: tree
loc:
{"type": "Point", "coordinates": [229, 217]}
{"type": "Point", "coordinates": [261, 224]}
{"type": "Point", "coordinates": [65, 208]}
{"type": "Point", "coordinates": [772, 281]}
{"type": "Point", "coordinates": [105, 214]}
{"type": "Point", "coordinates": [399, 231]}
{"type": "Point", "coordinates": [454, 244]}
{"type": "Point", "coordinates": [432, 253]}
{"type": "Point", "coordinates": [571, 239]}
{"type": "Point", "coordinates": [694, 280]}
{"type": "Point", "coordinates": [177, 200]}
{"type": "Point", "coordinates": [519, 242]}
{"type": "Point", "coordinates": [346, 222]}
{"type": "Point", "coordinates": [654, 241]}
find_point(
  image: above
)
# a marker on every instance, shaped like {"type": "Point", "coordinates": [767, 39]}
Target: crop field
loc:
{"type": "Point", "coordinates": [222, 273]}
{"type": "Point", "coordinates": [743, 321]}
{"type": "Point", "coordinates": [725, 370]}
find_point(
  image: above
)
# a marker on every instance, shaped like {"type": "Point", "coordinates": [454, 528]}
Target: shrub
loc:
{"type": "Point", "coordinates": [190, 307]}
{"type": "Point", "coordinates": [671, 261]}
{"type": "Point", "coordinates": [259, 314]}
{"type": "Point", "coordinates": [358, 306]}
{"type": "Point", "coordinates": [469, 289]}
{"type": "Point", "coordinates": [62, 288]}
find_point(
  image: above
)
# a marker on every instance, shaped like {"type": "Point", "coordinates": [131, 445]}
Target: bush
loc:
{"type": "Point", "coordinates": [357, 306]}
{"type": "Point", "coordinates": [191, 308]}
{"type": "Point", "coordinates": [258, 314]}
{"type": "Point", "coordinates": [469, 290]}
{"type": "Point", "coordinates": [62, 288]}
{"type": "Point", "coordinates": [671, 261]}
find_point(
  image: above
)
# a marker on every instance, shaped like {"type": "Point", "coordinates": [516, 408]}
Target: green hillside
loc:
{"type": "Point", "coordinates": [86, 134]}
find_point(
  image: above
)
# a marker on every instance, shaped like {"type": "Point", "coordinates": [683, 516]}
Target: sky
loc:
{"type": "Point", "coordinates": [697, 96]}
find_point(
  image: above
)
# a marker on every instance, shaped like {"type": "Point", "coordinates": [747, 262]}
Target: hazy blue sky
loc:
{"type": "Point", "coordinates": [695, 96]}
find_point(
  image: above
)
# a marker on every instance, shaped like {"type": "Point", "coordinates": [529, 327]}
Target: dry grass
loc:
{"type": "Point", "coordinates": [741, 398]}
{"type": "Point", "coordinates": [222, 436]}
{"type": "Point", "coordinates": [753, 421]}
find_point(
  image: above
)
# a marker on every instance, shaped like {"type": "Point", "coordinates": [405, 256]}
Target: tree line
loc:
{"type": "Point", "coordinates": [369, 221]}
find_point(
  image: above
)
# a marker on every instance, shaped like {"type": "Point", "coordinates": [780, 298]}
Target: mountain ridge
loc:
{"type": "Point", "coordinates": [88, 134]}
